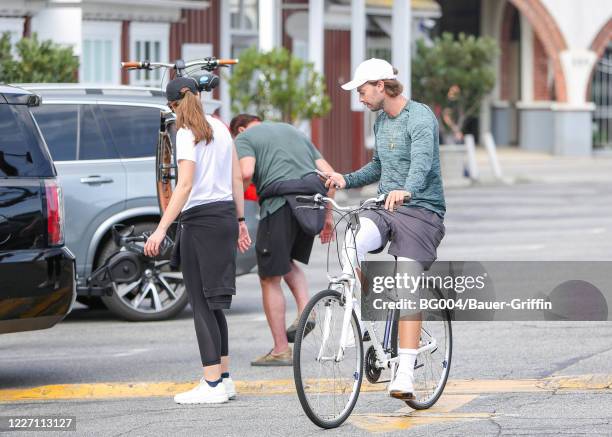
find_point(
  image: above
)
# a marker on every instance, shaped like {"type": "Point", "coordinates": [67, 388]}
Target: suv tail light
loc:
{"type": "Point", "coordinates": [55, 213]}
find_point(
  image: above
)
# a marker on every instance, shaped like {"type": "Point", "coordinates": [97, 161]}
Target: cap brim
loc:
{"type": "Point", "coordinates": [352, 84]}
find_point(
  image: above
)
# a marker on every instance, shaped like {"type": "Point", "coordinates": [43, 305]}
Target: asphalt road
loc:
{"type": "Point", "coordinates": [507, 378]}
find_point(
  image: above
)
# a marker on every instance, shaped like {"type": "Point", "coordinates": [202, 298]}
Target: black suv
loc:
{"type": "Point", "coordinates": [37, 272]}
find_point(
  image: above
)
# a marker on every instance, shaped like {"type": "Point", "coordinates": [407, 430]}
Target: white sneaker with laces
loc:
{"type": "Point", "coordinates": [402, 386]}
{"type": "Point", "coordinates": [230, 387]}
{"type": "Point", "coordinates": [203, 394]}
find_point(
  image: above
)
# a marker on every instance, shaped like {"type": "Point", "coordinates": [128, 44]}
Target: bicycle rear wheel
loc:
{"type": "Point", "coordinates": [328, 388]}
{"type": "Point", "coordinates": [432, 367]}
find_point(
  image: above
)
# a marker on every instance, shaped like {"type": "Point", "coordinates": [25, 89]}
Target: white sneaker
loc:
{"type": "Point", "coordinates": [203, 394]}
{"type": "Point", "coordinates": [230, 387]}
{"type": "Point", "coordinates": [402, 386]}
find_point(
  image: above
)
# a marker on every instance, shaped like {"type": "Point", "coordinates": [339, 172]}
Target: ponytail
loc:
{"type": "Point", "coordinates": [190, 115]}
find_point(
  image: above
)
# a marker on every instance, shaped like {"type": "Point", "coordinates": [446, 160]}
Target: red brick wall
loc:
{"type": "Point", "coordinates": [342, 130]}
{"type": "Point", "coordinates": [541, 89]}
{"type": "Point", "coordinates": [599, 44]}
{"type": "Point", "coordinates": [197, 27]}
{"type": "Point", "coordinates": [547, 30]}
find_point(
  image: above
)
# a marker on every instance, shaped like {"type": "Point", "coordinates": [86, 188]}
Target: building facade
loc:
{"type": "Point", "coordinates": [552, 94]}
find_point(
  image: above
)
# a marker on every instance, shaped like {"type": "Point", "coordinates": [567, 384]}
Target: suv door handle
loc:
{"type": "Point", "coordinates": [96, 180]}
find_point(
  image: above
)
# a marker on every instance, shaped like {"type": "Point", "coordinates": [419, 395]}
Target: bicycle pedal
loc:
{"type": "Point", "coordinates": [384, 381]}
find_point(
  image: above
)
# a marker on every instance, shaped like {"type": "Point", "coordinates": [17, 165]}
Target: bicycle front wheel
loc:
{"type": "Point", "coordinates": [327, 378]}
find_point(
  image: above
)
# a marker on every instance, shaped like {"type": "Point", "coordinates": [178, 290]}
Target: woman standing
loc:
{"type": "Point", "coordinates": [209, 198]}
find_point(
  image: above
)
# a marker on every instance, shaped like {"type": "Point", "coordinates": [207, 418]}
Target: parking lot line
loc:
{"type": "Point", "coordinates": [110, 390]}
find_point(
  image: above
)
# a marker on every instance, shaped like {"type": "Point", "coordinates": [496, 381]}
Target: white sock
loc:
{"type": "Point", "coordinates": [406, 360]}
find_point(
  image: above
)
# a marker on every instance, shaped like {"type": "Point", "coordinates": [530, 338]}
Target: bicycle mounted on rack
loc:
{"type": "Point", "coordinates": [165, 161]}
{"type": "Point", "coordinates": [129, 263]}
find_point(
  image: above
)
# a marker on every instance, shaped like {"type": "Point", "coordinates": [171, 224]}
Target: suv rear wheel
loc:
{"type": "Point", "coordinates": [159, 294]}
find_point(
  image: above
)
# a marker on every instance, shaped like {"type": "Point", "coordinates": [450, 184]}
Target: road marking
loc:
{"type": "Point", "coordinates": [406, 418]}
{"type": "Point", "coordinates": [65, 356]}
{"type": "Point", "coordinates": [131, 352]}
{"type": "Point", "coordinates": [442, 411]}
{"type": "Point", "coordinates": [285, 386]}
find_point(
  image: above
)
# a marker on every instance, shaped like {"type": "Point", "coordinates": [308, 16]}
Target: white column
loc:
{"type": "Point", "coordinates": [487, 25]}
{"type": "Point", "coordinates": [526, 60]}
{"type": "Point", "coordinates": [401, 42]}
{"type": "Point", "coordinates": [268, 24]}
{"type": "Point", "coordinates": [358, 42]}
{"type": "Point", "coordinates": [225, 51]}
{"type": "Point", "coordinates": [316, 33]}
{"type": "Point", "coordinates": [61, 23]}
{"type": "Point", "coordinates": [577, 65]}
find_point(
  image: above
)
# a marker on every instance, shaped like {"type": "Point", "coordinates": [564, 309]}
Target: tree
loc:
{"type": "Point", "coordinates": [453, 76]}
{"type": "Point", "coordinates": [277, 85]}
{"type": "Point", "coordinates": [6, 58]}
{"type": "Point", "coordinates": [36, 61]}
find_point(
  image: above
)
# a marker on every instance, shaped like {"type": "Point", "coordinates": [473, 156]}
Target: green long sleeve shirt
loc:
{"type": "Point", "coordinates": [406, 157]}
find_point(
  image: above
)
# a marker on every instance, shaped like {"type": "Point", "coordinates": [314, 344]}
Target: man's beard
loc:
{"type": "Point", "coordinates": [376, 108]}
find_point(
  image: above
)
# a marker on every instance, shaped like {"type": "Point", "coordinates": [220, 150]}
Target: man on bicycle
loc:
{"type": "Point", "coordinates": [406, 165]}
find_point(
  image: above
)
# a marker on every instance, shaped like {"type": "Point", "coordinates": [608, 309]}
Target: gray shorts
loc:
{"type": "Point", "coordinates": [414, 232]}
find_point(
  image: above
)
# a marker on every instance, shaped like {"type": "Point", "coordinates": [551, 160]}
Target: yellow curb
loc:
{"type": "Point", "coordinates": [286, 386]}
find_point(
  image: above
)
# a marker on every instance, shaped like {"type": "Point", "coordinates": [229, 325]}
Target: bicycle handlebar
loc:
{"type": "Point", "coordinates": [319, 199]}
{"type": "Point", "coordinates": [227, 61]}
{"type": "Point", "coordinates": [208, 64]}
{"type": "Point", "coordinates": [130, 65]}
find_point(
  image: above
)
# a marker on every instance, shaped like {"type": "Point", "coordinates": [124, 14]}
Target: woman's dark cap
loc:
{"type": "Point", "coordinates": [174, 87]}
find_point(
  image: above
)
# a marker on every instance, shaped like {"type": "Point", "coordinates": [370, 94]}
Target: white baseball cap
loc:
{"type": "Point", "coordinates": [370, 70]}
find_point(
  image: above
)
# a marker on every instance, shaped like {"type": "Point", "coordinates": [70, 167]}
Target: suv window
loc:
{"type": "Point", "coordinates": [135, 129]}
{"type": "Point", "coordinates": [22, 150]}
{"type": "Point", "coordinates": [58, 124]}
{"type": "Point", "coordinates": [92, 144]}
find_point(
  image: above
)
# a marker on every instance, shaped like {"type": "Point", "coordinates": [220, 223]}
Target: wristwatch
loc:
{"type": "Point", "coordinates": [241, 219]}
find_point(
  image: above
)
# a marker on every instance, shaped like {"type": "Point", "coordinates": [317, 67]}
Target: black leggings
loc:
{"type": "Point", "coordinates": [210, 325]}
{"type": "Point", "coordinates": [211, 329]}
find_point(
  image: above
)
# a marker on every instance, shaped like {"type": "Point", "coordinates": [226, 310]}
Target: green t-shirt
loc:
{"type": "Point", "coordinates": [281, 153]}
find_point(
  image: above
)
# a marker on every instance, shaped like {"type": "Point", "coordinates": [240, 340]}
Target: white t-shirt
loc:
{"type": "Point", "coordinates": [212, 181]}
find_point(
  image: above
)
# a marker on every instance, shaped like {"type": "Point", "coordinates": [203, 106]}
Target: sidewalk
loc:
{"type": "Point", "coordinates": [522, 167]}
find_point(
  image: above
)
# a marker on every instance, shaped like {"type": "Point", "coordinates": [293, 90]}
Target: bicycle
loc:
{"type": "Point", "coordinates": [334, 345]}
{"type": "Point", "coordinates": [129, 270]}
{"type": "Point", "coordinates": [166, 165]}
